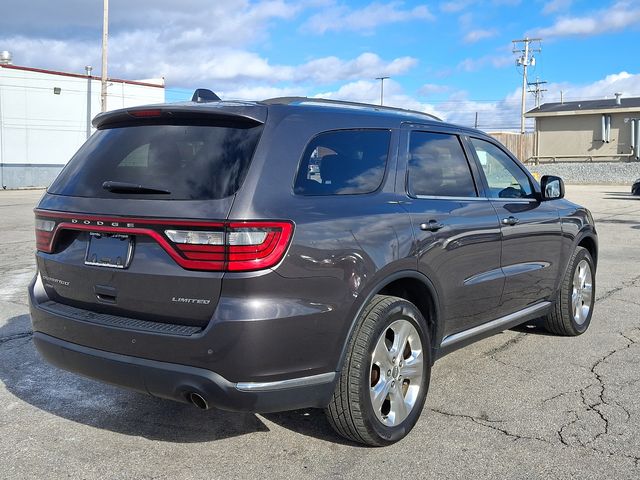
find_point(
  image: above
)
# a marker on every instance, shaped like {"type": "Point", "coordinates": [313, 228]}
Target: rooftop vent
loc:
{"type": "Point", "coordinates": [204, 95]}
{"type": "Point", "coordinates": [618, 98]}
{"type": "Point", "coordinates": [5, 58]}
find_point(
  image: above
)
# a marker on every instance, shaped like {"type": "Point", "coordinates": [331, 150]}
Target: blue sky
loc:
{"type": "Point", "coordinates": [452, 58]}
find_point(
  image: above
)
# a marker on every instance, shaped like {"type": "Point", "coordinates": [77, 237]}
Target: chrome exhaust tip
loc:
{"type": "Point", "coordinates": [198, 400]}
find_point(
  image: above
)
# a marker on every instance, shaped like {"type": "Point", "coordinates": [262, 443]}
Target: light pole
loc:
{"type": "Point", "coordinates": [105, 37]}
{"type": "Point", "coordinates": [88, 69]}
{"type": "Point", "coordinates": [382, 79]}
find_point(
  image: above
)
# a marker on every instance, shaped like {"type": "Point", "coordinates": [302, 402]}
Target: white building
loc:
{"type": "Point", "coordinates": [44, 118]}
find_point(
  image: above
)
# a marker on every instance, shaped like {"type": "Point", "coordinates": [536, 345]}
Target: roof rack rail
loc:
{"type": "Point", "coordinates": [292, 100]}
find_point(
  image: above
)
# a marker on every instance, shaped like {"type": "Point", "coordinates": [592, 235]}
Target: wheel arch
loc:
{"type": "Point", "coordinates": [412, 286]}
{"type": "Point", "coordinates": [588, 240]}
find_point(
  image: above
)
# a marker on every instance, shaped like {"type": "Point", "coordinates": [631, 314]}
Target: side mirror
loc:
{"type": "Point", "coordinates": [552, 187]}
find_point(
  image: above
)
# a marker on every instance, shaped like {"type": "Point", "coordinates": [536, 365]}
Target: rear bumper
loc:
{"type": "Point", "coordinates": [155, 360]}
{"type": "Point", "coordinates": [176, 382]}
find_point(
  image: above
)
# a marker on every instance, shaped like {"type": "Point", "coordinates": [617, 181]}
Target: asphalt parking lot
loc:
{"type": "Point", "coordinates": [522, 404]}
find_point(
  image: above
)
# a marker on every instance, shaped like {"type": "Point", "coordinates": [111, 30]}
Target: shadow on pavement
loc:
{"type": "Point", "coordinates": [92, 403]}
{"type": "Point", "coordinates": [534, 327]}
{"type": "Point", "coordinates": [103, 406]}
{"type": "Point", "coordinates": [620, 196]}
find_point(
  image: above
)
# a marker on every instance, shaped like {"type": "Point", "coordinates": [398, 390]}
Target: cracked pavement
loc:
{"type": "Point", "coordinates": [521, 404]}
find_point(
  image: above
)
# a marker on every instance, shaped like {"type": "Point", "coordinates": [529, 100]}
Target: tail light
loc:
{"type": "Point", "coordinates": [236, 246]}
{"type": "Point", "coordinates": [44, 234]}
{"type": "Point", "coordinates": [242, 246]}
{"type": "Point", "coordinates": [256, 245]}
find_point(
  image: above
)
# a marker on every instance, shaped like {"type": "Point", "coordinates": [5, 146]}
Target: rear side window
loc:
{"type": "Point", "coordinates": [343, 162]}
{"type": "Point", "coordinates": [191, 162]}
{"type": "Point", "coordinates": [438, 166]}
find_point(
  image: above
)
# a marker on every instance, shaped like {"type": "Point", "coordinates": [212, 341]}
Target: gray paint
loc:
{"type": "Point", "coordinates": [294, 321]}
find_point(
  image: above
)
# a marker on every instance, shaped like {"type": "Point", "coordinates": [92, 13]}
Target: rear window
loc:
{"type": "Point", "coordinates": [191, 162]}
{"type": "Point", "coordinates": [343, 162]}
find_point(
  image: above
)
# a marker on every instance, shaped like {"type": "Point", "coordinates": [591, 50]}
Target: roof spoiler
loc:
{"type": "Point", "coordinates": [212, 113]}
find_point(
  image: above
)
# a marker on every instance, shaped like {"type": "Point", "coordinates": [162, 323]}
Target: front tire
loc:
{"type": "Point", "coordinates": [384, 381]}
{"type": "Point", "coordinates": [571, 314]}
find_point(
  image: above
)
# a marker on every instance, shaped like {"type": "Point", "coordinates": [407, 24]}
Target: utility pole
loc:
{"type": "Point", "coordinates": [2, 141]}
{"type": "Point", "coordinates": [475, 124]}
{"type": "Point", "coordinates": [382, 79]}
{"type": "Point", "coordinates": [524, 60]}
{"type": "Point", "coordinates": [88, 69]}
{"type": "Point", "coordinates": [534, 87]}
{"type": "Point", "coordinates": [105, 36]}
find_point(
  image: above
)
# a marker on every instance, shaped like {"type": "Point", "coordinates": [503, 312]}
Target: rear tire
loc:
{"type": "Point", "coordinates": [383, 384]}
{"type": "Point", "coordinates": [573, 308]}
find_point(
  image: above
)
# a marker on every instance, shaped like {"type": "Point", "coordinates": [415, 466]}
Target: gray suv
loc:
{"type": "Point", "coordinates": [295, 253]}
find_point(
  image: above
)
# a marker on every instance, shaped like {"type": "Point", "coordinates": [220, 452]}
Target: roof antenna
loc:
{"type": "Point", "coordinates": [204, 95]}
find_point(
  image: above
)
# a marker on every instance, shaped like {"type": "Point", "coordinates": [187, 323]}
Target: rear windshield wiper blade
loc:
{"type": "Point", "coordinates": [125, 187]}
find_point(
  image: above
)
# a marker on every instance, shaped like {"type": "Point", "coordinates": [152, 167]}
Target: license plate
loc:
{"type": "Point", "coordinates": [109, 250]}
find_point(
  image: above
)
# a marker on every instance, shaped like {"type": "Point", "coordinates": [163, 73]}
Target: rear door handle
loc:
{"type": "Point", "coordinates": [431, 226]}
{"type": "Point", "coordinates": [510, 221]}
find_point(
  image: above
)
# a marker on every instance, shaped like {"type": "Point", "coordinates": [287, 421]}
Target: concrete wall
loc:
{"type": "Point", "coordinates": [40, 130]}
{"type": "Point", "coordinates": [21, 175]}
{"type": "Point", "coordinates": [582, 135]}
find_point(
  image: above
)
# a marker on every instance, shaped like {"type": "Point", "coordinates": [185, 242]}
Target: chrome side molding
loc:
{"type": "Point", "coordinates": [501, 323]}
{"type": "Point", "coordinates": [284, 384]}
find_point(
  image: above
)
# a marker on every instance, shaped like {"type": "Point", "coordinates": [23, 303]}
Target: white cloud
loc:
{"type": "Point", "coordinates": [503, 114]}
{"type": "Point", "coordinates": [493, 60]}
{"type": "Point", "coordinates": [261, 92]}
{"type": "Point", "coordinates": [142, 54]}
{"type": "Point", "coordinates": [365, 19]}
{"type": "Point", "coordinates": [506, 3]}
{"type": "Point", "coordinates": [367, 65]}
{"type": "Point", "coordinates": [554, 6]}
{"type": "Point", "coordinates": [619, 16]}
{"type": "Point", "coordinates": [367, 91]}
{"type": "Point", "coordinates": [455, 6]}
{"type": "Point", "coordinates": [65, 55]}
{"type": "Point", "coordinates": [228, 22]}
{"type": "Point", "coordinates": [433, 88]}
{"type": "Point", "coordinates": [479, 34]}
{"type": "Point", "coordinates": [624, 82]}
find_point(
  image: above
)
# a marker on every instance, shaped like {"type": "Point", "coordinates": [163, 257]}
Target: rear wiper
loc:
{"type": "Point", "coordinates": [125, 187]}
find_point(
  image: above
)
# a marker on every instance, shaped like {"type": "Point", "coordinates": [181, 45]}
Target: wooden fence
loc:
{"type": "Point", "coordinates": [521, 145]}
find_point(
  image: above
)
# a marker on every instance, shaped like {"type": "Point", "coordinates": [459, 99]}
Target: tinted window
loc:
{"type": "Point", "coordinates": [191, 162]}
{"type": "Point", "coordinates": [505, 178]}
{"type": "Point", "coordinates": [343, 162]}
{"type": "Point", "coordinates": [438, 166]}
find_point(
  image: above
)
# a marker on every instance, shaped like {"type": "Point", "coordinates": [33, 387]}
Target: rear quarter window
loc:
{"type": "Point", "coordinates": [343, 162]}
